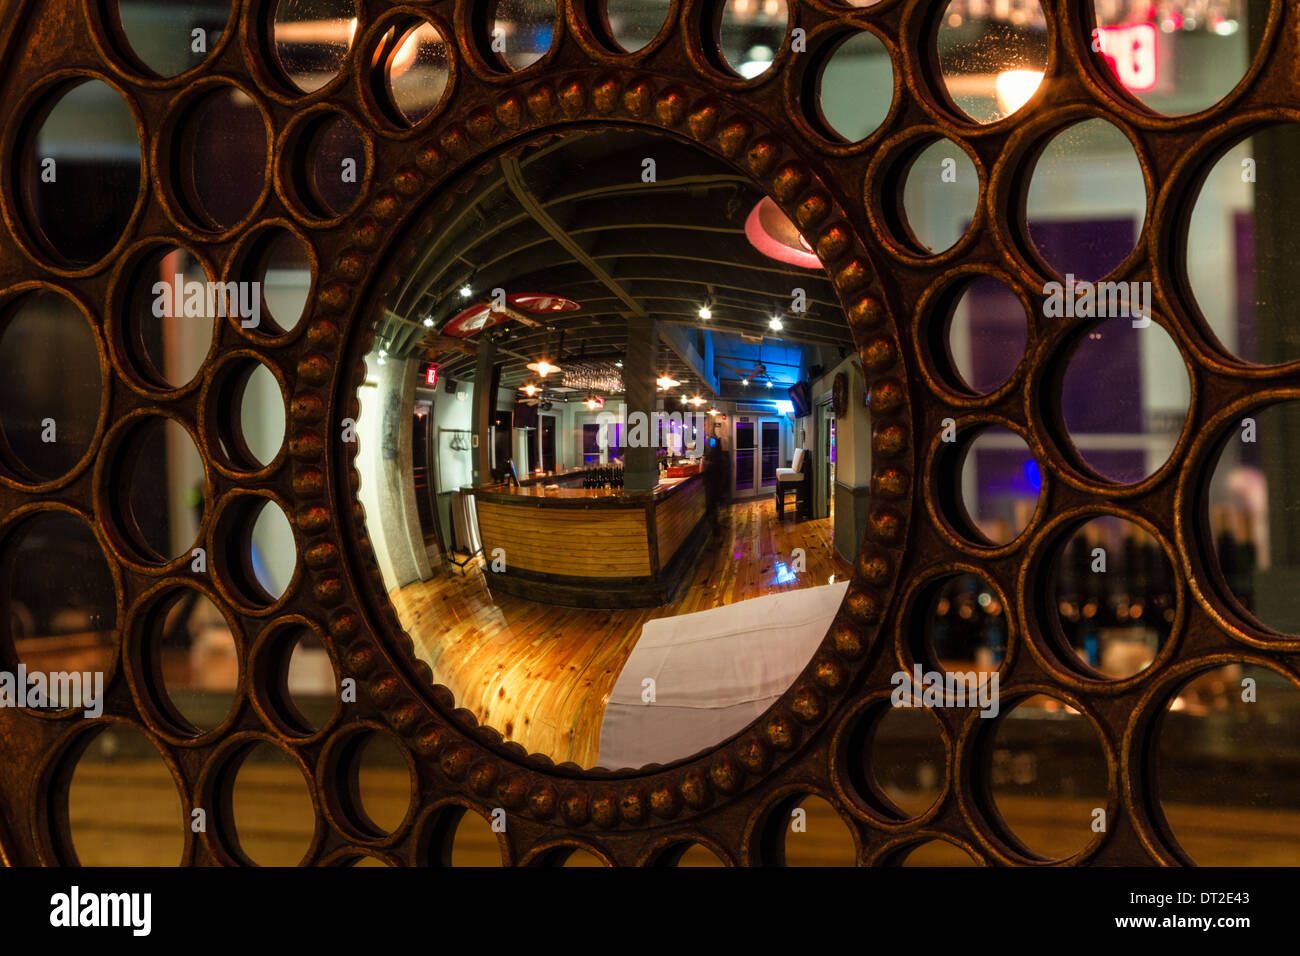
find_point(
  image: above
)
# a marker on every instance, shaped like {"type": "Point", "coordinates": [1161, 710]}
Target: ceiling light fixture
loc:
{"type": "Point", "coordinates": [697, 401]}
{"type": "Point", "coordinates": [466, 291]}
{"type": "Point", "coordinates": [775, 324]}
{"type": "Point", "coordinates": [705, 312]}
{"type": "Point", "coordinates": [769, 383]}
{"type": "Point", "coordinates": [530, 389]}
{"type": "Point", "coordinates": [665, 383]}
{"type": "Point", "coordinates": [542, 367]}
{"type": "Point", "coordinates": [428, 321]}
{"type": "Point", "coordinates": [744, 381]}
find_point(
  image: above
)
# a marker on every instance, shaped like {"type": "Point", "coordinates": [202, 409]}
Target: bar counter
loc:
{"type": "Point", "coordinates": [591, 547]}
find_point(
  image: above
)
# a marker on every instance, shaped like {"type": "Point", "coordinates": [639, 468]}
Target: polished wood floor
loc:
{"type": "Point", "coordinates": [541, 674]}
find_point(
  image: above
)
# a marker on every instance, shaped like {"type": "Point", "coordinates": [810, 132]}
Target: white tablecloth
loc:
{"type": "Point", "coordinates": [715, 671]}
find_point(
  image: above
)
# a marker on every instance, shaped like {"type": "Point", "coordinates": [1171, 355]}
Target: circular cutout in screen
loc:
{"type": "Point", "coordinates": [312, 39]}
{"type": "Point", "coordinates": [987, 334]}
{"type": "Point", "coordinates": [1087, 201]}
{"type": "Point", "coordinates": [992, 57]}
{"type": "Point", "coordinates": [51, 390]}
{"type": "Point", "coordinates": [77, 175]}
{"type": "Point", "coordinates": [1125, 392]}
{"type": "Point", "coordinates": [219, 159]}
{"type": "Point", "coordinates": [1114, 596]}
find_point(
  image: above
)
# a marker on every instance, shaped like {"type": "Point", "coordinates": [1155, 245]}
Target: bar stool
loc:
{"type": "Point", "coordinates": [794, 479]}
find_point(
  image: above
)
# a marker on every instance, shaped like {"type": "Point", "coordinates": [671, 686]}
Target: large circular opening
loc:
{"type": "Point", "coordinates": [597, 449]}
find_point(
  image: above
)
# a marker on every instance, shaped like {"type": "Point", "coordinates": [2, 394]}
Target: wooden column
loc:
{"type": "Point", "coordinates": [484, 400]}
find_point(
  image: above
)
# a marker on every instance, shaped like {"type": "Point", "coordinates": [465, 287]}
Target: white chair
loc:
{"type": "Point", "coordinates": [794, 479]}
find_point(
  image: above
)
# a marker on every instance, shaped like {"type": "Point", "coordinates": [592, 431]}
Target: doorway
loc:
{"type": "Point", "coordinates": [756, 453]}
{"type": "Point", "coordinates": [547, 435]}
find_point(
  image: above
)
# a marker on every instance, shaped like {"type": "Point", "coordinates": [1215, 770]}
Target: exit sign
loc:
{"type": "Point", "coordinates": [1131, 53]}
{"type": "Point", "coordinates": [431, 376]}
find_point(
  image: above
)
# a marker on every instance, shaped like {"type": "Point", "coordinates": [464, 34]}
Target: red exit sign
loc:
{"type": "Point", "coordinates": [431, 376]}
{"type": "Point", "coordinates": [1131, 53]}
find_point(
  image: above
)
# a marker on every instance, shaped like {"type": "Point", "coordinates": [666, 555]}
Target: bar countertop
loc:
{"type": "Point", "coordinates": [535, 492]}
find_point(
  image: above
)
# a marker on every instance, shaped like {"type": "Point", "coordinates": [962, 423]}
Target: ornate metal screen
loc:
{"type": "Point", "coordinates": [846, 199]}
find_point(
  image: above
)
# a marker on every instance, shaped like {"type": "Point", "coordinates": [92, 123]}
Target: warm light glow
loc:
{"type": "Point", "coordinates": [697, 401]}
{"type": "Point", "coordinates": [665, 383]}
{"type": "Point", "coordinates": [1015, 87]}
{"type": "Point", "coordinates": [543, 367]}
{"type": "Point", "coordinates": [744, 381]}
{"type": "Point", "coordinates": [530, 389]}
{"type": "Point", "coordinates": [466, 291]}
{"type": "Point", "coordinates": [405, 55]}
{"type": "Point", "coordinates": [775, 324]}
{"type": "Point", "coordinates": [428, 322]}
{"type": "Point", "coordinates": [706, 312]}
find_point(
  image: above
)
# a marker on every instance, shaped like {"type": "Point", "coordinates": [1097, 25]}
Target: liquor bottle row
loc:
{"type": "Point", "coordinates": [605, 476]}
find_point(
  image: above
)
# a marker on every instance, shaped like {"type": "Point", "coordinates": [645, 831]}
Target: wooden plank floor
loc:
{"type": "Point", "coordinates": [541, 674]}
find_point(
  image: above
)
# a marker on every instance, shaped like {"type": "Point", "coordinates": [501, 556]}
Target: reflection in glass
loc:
{"type": "Point", "coordinates": [986, 335]}
{"type": "Point", "coordinates": [1226, 767]}
{"type": "Point", "coordinates": [752, 31]}
{"type": "Point", "coordinates": [161, 472]}
{"type": "Point", "coordinates": [80, 172]}
{"type": "Point", "coordinates": [1250, 504]}
{"type": "Point", "coordinates": [50, 391]}
{"type": "Point", "coordinates": [857, 86]}
{"type": "Point", "coordinates": [123, 805]}
{"type": "Point", "coordinates": [1087, 200]}
{"type": "Point", "coordinates": [522, 30]}
{"type": "Point", "coordinates": [907, 759]}
{"type": "Point", "coordinates": [1000, 482]}
{"type": "Point", "coordinates": [1113, 591]}
{"type": "Point", "coordinates": [312, 39]}
{"type": "Point", "coordinates": [992, 56]}
{"type": "Point", "coordinates": [169, 349]}
{"type": "Point", "coordinates": [1047, 775]}
{"type": "Point", "coordinates": [286, 276]}
{"type": "Point", "coordinates": [1175, 58]}
{"type": "Point", "coordinates": [222, 148]}
{"type": "Point", "coordinates": [58, 596]}
{"type": "Point", "coordinates": [634, 23]}
{"type": "Point", "coordinates": [162, 33]}
{"type": "Point", "coordinates": [593, 450]}
{"type": "Point", "coordinates": [963, 625]}
{"type": "Point", "coordinates": [1124, 398]}
{"type": "Point", "coordinates": [940, 195]}
{"type": "Point", "coordinates": [1241, 248]}
{"type": "Point", "coordinates": [416, 69]}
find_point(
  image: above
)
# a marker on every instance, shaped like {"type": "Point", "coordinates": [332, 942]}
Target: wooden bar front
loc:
{"type": "Point", "coordinates": [589, 547]}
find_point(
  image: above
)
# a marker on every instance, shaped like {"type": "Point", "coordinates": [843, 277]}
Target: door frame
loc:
{"type": "Point", "coordinates": [756, 419]}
